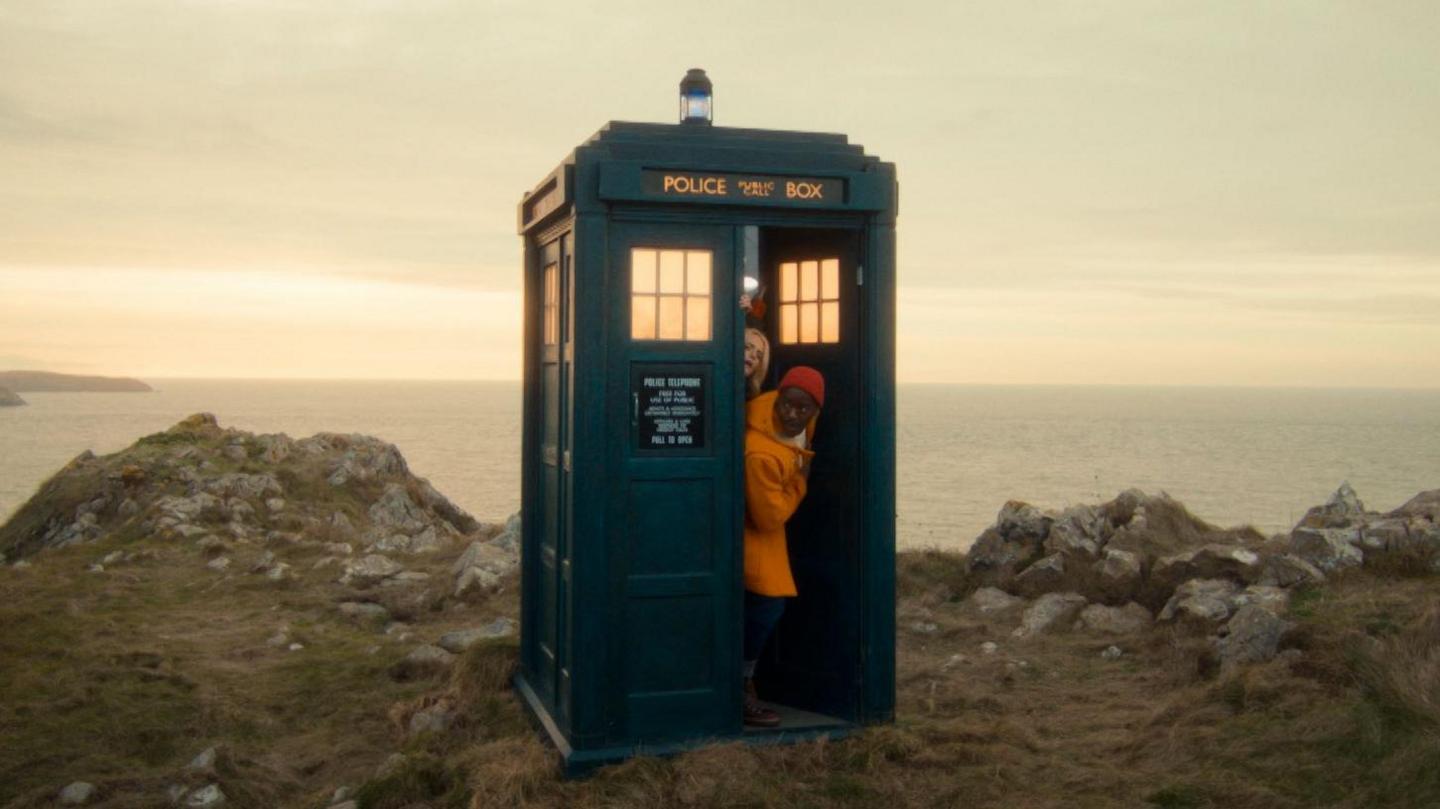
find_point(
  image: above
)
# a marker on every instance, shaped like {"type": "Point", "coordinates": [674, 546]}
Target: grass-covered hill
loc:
{"type": "Point", "coordinates": [49, 381]}
{"type": "Point", "coordinates": [217, 618]}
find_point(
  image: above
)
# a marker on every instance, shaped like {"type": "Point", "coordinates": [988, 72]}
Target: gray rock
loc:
{"type": "Point", "coordinates": [274, 448]}
{"type": "Point", "coordinates": [1114, 620]}
{"type": "Point", "coordinates": [1016, 539]}
{"type": "Point", "coordinates": [476, 580]}
{"type": "Point", "coordinates": [188, 509]}
{"type": "Point", "coordinates": [1203, 600]}
{"type": "Point", "coordinates": [1384, 534]}
{"type": "Point", "coordinates": [1288, 570]}
{"type": "Point", "coordinates": [345, 805]}
{"type": "Point", "coordinates": [275, 505]}
{"type": "Point", "coordinates": [369, 570]}
{"type": "Point", "coordinates": [1044, 576]}
{"type": "Point", "coordinates": [365, 458]}
{"type": "Point", "coordinates": [244, 485]}
{"type": "Point", "coordinates": [1212, 561]}
{"type": "Point", "coordinates": [1329, 549]}
{"type": "Point", "coordinates": [263, 563]}
{"type": "Point", "coordinates": [341, 793]}
{"type": "Point", "coordinates": [989, 647]}
{"type": "Point", "coordinates": [425, 656]}
{"type": "Point", "coordinates": [342, 524]}
{"type": "Point", "coordinates": [205, 797]}
{"type": "Point", "coordinates": [1111, 653]}
{"type": "Point", "coordinates": [1076, 531]}
{"type": "Point", "coordinates": [435, 719]}
{"type": "Point", "coordinates": [406, 578]}
{"type": "Point", "coordinates": [204, 762]}
{"type": "Point", "coordinates": [993, 599]}
{"type": "Point", "coordinates": [1424, 506]}
{"type": "Point", "coordinates": [1050, 612]}
{"type": "Point", "coordinates": [364, 611]}
{"type": "Point", "coordinates": [1341, 510]}
{"type": "Point", "coordinates": [280, 571]}
{"type": "Point", "coordinates": [239, 510]}
{"type": "Point", "coordinates": [390, 765]}
{"type": "Point", "coordinates": [1117, 574]}
{"type": "Point", "coordinates": [924, 627]}
{"type": "Point", "coordinates": [1252, 636]}
{"type": "Point", "coordinates": [77, 793]}
{"type": "Point", "coordinates": [1273, 599]}
{"type": "Point", "coordinates": [396, 512]}
{"type": "Point", "coordinates": [509, 538]}
{"type": "Point", "coordinates": [220, 563]}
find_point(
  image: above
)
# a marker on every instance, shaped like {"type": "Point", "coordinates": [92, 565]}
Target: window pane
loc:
{"type": "Point", "coordinates": [672, 271]}
{"type": "Point", "coordinates": [809, 323]}
{"type": "Point", "coordinates": [830, 322]}
{"type": "Point", "coordinates": [697, 272]}
{"type": "Point", "coordinates": [642, 317]}
{"type": "Point", "coordinates": [642, 270]}
{"type": "Point", "coordinates": [697, 318]}
{"type": "Point", "coordinates": [788, 285]}
{"type": "Point", "coordinates": [830, 279]}
{"type": "Point", "coordinates": [789, 329]}
{"type": "Point", "coordinates": [809, 281]}
{"type": "Point", "coordinates": [672, 317]}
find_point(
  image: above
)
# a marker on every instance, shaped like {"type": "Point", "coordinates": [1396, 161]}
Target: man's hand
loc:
{"type": "Point", "coordinates": [805, 466]}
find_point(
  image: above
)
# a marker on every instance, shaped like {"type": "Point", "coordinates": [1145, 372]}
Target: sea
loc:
{"type": "Point", "coordinates": [1233, 455]}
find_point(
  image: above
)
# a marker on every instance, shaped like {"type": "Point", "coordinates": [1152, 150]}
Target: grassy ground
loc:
{"type": "Point", "coordinates": [120, 678]}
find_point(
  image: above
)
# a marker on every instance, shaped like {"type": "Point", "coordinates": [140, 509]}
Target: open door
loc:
{"type": "Point", "coordinates": [814, 660]}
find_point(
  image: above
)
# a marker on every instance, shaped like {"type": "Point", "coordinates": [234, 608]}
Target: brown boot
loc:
{"type": "Point", "coordinates": [757, 715]}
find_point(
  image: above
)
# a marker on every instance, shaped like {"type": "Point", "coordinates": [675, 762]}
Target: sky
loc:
{"type": "Point", "coordinates": [1211, 193]}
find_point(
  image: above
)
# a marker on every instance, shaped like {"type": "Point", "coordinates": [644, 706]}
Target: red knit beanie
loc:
{"type": "Point", "coordinates": [807, 379]}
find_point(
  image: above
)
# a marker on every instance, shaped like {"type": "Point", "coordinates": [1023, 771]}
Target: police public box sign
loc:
{"type": "Point", "coordinates": [703, 186]}
{"type": "Point", "coordinates": [669, 407]}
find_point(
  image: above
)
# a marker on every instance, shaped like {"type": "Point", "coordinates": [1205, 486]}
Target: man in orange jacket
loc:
{"type": "Point", "coordinates": [779, 426]}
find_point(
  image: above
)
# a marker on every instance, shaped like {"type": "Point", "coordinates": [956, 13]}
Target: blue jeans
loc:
{"type": "Point", "coordinates": [762, 613]}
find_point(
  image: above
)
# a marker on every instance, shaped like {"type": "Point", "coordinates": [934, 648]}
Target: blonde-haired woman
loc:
{"type": "Point", "coordinates": [757, 361]}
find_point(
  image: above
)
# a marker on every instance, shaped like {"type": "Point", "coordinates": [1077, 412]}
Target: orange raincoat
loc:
{"type": "Point", "coordinates": [774, 488]}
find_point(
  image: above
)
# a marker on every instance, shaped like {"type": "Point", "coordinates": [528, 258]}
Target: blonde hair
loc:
{"type": "Point", "coordinates": [752, 382]}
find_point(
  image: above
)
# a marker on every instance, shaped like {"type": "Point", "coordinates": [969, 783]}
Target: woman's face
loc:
{"type": "Point", "coordinates": [754, 352]}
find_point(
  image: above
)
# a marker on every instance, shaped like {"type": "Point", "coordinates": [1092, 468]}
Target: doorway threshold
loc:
{"type": "Point", "coordinates": [795, 720]}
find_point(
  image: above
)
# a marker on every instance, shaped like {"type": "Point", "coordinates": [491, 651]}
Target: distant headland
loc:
{"type": "Point", "coordinates": [8, 398]}
{"type": "Point", "coordinates": [49, 382]}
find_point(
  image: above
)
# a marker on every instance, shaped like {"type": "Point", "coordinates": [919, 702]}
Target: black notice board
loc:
{"type": "Point", "coordinates": [669, 404]}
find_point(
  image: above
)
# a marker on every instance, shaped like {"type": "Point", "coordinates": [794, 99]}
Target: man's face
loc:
{"type": "Point", "coordinates": [793, 410]}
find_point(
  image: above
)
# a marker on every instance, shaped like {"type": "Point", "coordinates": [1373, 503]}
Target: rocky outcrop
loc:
{"type": "Point", "coordinates": [9, 398]}
{"type": "Point", "coordinates": [202, 483]}
{"type": "Point", "coordinates": [1079, 569]}
{"type": "Point", "coordinates": [1147, 548]}
{"type": "Point", "coordinates": [1343, 534]}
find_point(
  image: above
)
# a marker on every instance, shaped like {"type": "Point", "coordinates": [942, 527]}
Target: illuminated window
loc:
{"type": "Point", "coordinates": [669, 294]}
{"type": "Point", "coordinates": [810, 301]}
{"type": "Point", "coordinates": [552, 304]}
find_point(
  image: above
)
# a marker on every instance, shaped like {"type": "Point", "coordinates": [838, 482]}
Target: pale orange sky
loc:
{"type": "Point", "coordinates": [1108, 193]}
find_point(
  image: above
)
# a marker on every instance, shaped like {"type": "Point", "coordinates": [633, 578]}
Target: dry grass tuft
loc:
{"type": "Point", "coordinates": [509, 772]}
{"type": "Point", "coordinates": [722, 776]}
